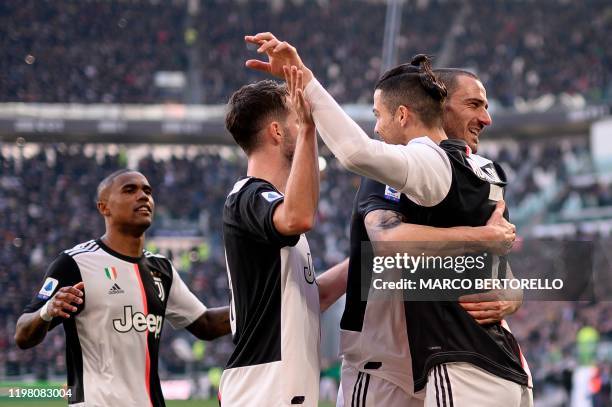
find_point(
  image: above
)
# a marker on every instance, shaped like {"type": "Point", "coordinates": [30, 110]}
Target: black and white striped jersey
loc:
{"type": "Point", "coordinates": [274, 305]}
{"type": "Point", "coordinates": [383, 337]}
{"type": "Point", "coordinates": [442, 331]}
{"type": "Point", "coordinates": [373, 333]}
{"type": "Point", "coordinates": [112, 342]}
{"type": "Point", "coordinates": [432, 176]}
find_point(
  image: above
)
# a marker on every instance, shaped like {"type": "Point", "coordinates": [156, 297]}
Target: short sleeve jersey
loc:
{"type": "Point", "coordinates": [274, 306]}
{"type": "Point", "coordinates": [112, 341]}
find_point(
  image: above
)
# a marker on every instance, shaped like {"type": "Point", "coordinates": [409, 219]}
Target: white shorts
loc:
{"type": "Point", "coordinates": [361, 389]}
{"type": "Point", "coordinates": [463, 384]}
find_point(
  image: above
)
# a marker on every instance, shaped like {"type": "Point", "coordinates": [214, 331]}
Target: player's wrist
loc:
{"type": "Point", "coordinates": [44, 313]}
{"type": "Point", "coordinates": [307, 128]}
{"type": "Point", "coordinates": [482, 237]}
{"type": "Point", "coordinates": [307, 75]}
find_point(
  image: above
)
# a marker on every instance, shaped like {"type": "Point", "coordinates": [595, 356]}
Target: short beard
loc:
{"type": "Point", "coordinates": [287, 146]}
{"type": "Point", "coordinates": [452, 129]}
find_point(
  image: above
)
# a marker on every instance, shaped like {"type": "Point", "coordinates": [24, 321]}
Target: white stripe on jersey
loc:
{"type": "Point", "coordinates": [149, 254]}
{"type": "Point", "coordinates": [87, 246]}
{"type": "Point", "coordinates": [238, 185]}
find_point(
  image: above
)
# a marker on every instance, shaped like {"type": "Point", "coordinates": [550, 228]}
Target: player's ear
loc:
{"type": "Point", "coordinates": [403, 115]}
{"type": "Point", "coordinates": [275, 133]}
{"type": "Point", "coordinates": [103, 208]}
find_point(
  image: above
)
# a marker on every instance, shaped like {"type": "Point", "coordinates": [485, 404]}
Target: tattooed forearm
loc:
{"type": "Point", "coordinates": [389, 220]}
{"type": "Point", "coordinates": [379, 221]}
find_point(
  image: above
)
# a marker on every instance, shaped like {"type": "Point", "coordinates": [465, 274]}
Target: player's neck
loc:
{"type": "Point", "coordinates": [436, 134]}
{"type": "Point", "coordinates": [124, 244]}
{"type": "Point", "coordinates": [269, 169]}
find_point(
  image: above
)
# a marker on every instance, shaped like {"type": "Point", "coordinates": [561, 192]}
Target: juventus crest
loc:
{"type": "Point", "coordinates": [309, 274]}
{"type": "Point", "coordinates": [160, 288]}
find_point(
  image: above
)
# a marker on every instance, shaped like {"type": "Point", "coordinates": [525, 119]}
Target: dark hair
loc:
{"type": "Point", "coordinates": [108, 181]}
{"type": "Point", "coordinates": [448, 76]}
{"type": "Point", "coordinates": [250, 106]}
{"type": "Point", "coordinates": [414, 85]}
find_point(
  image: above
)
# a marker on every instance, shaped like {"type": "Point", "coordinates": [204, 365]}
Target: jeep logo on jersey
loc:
{"type": "Point", "coordinates": [309, 272]}
{"type": "Point", "coordinates": [160, 288]}
{"type": "Point", "coordinates": [139, 322]}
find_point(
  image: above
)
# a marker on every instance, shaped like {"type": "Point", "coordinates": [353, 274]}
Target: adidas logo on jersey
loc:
{"type": "Point", "coordinates": [115, 289]}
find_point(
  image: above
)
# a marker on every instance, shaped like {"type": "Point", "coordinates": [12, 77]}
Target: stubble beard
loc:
{"type": "Point", "coordinates": [287, 147]}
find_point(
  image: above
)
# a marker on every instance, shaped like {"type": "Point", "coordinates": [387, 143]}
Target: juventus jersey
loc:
{"type": "Point", "coordinates": [274, 305]}
{"type": "Point", "coordinates": [112, 341]}
{"type": "Point", "coordinates": [375, 334]}
{"type": "Point", "coordinates": [442, 331]}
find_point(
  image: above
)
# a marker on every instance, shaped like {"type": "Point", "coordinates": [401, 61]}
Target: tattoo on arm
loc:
{"type": "Point", "coordinates": [381, 220]}
{"type": "Point", "coordinates": [389, 220]}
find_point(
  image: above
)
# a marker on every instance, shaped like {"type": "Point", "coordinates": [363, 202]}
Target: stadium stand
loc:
{"type": "Point", "coordinates": [100, 51]}
{"type": "Point", "coordinates": [528, 49]}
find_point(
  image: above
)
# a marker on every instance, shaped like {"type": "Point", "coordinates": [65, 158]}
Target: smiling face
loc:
{"type": "Point", "coordinates": [127, 203]}
{"type": "Point", "coordinates": [465, 111]}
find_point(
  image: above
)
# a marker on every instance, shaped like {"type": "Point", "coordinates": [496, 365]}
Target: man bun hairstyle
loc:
{"type": "Point", "coordinates": [430, 82]}
{"type": "Point", "coordinates": [415, 86]}
{"type": "Point", "coordinates": [249, 109]}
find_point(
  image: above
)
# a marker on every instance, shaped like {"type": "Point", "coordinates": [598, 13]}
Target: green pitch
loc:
{"type": "Point", "coordinates": [6, 401]}
{"type": "Point", "coordinates": [60, 403]}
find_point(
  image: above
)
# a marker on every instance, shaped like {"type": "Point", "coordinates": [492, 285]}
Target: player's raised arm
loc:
{"type": "Point", "coordinates": [295, 215]}
{"type": "Point", "coordinates": [406, 168]}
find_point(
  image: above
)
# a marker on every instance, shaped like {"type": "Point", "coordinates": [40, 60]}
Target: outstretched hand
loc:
{"type": "Point", "coordinates": [280, 53]}
{"type": "Point", "coordinates": [295, 86]}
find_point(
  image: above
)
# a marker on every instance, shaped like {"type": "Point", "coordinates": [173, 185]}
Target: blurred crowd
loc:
{"type": "Point", "coordinates": [550, 181]}
{"type": "Point", "coordinates": [529, 48]}
{"type": "Point", "coordinates": [110, 52]}
{"type": "Point", "coordinates": [86, 52]}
